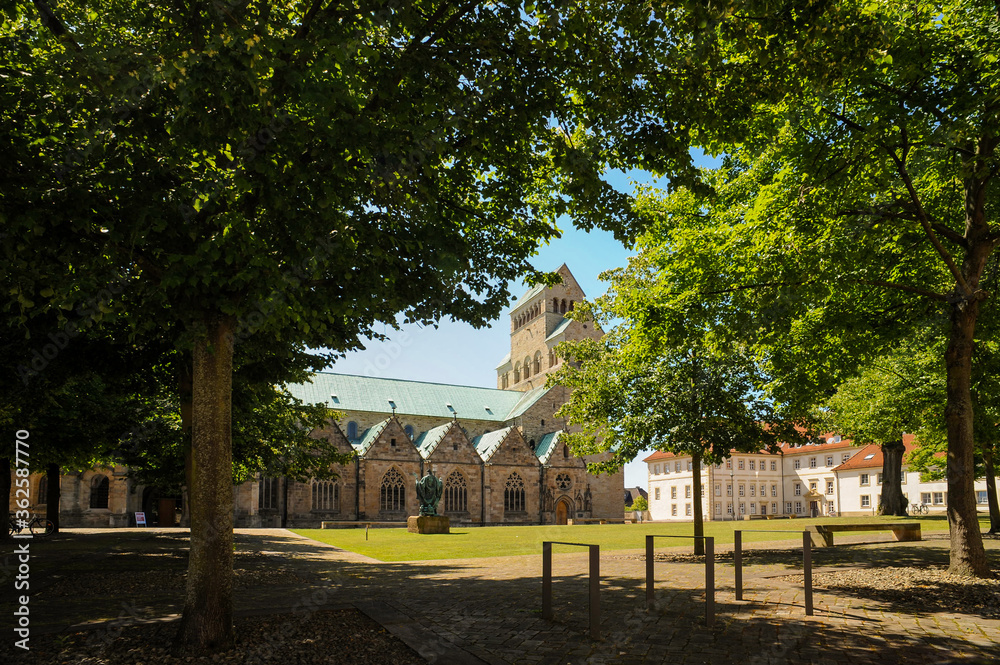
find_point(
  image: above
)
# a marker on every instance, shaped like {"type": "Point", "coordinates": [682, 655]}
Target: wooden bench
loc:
{"type": "Point", "coordinates": [902, 531]}
{"type": "Point", "coordinates": [598, 520]}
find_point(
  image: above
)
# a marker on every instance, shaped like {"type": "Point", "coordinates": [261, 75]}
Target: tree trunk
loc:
{"type": "Point", "coordinates": [5, 487]}
{"type": "Point", "coordinates": [699, 523]}
{"type": "Point", "coordinates": [207, 620]}
{"type": "Point", "coordinates": [185, 399]}
{"type": "Point", "coordinates": [991, 489]}
{"type": "Point", "coordinates": [52, 495]}
{"type": "Point", "coordinates": [967, 555]}
{"type": "Point", "coordinates": [893, 502]}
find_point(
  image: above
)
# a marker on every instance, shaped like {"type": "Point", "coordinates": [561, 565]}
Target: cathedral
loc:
{"type": "Point", "coordinates": [499, 451]}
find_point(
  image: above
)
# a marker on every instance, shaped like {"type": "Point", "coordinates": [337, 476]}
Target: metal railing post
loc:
{"type": "Point", "coordinates": [546, 580]}
{"type": "Point", "coordinates": [709, 581]}
{"type": "Point", "coordinates": [807, 571]}
{"type": "Point", "coordinates": [738, 562]}
{"type": "Point", "coordinates": [595, 592]}
{"type": "Point", "coordinates": [649, 572]}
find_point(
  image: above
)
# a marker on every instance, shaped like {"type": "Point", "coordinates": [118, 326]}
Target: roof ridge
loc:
{"type": "Point", "coordinates": [384, 378]}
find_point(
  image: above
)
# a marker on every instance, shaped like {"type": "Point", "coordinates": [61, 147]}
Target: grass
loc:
{"type": "Point", "coordinates": [475, 542]}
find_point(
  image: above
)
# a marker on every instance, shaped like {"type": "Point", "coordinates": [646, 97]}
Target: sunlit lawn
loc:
{"type": "Point", "coordinates": [463, 543]}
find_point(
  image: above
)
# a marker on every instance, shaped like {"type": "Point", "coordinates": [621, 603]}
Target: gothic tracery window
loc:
{"type": "Point", "coordinates": [325, 495]}
{"type": "Point", "coordinates": [392, 493]}
{"type": "Point", "coordinates": [456, 497]}
{"type": "Point", "coordinates": [513, 494]}
{"type": "Point", "coordinates": [563, 481]}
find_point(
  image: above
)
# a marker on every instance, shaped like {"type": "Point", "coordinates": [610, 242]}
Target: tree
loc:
{"type": "Point", "coordinates": [863, 157]}
{"type": "Point", "coordinates": [661, 379]}
{"type": "Point", "coordinates": [290, 170]}
{"type": "Point", "coordinates": [891, 396]}
{"type": "Point", "coordinates": [640, 505]}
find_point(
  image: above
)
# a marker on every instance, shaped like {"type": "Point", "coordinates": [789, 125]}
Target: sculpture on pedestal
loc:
{"type": "Point", "coordinates": [429, 489]}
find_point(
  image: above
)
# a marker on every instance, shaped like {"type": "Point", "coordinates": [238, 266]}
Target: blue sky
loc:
{"type": "Point", "coordinates": [457, 353]}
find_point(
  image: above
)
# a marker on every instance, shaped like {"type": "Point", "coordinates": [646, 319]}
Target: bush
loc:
{"type": "Point", "coordinates": [640, 504]}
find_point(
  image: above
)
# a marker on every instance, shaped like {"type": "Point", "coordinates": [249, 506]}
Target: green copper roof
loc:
{"type": "Point", "coordinates": [506, 359]}
{"type": "Point", "coordinates": [368, 437]}
{"type": "Point", "coordinates": [427, 442]}
{"type": "Point", "coordinates": [560, 329]}
{"type": "Point", "coordinates": [546, 445]}
{"type": "Point", "coordinates": [489, 443]}
{"type": "Point", "coordinates": [532, 292]}
{"type": "Point", "coordinates": [350, 392]}
{"type": "Point", "coordinates": [526, 401]}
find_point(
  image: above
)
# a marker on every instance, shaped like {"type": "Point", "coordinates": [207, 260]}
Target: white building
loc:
{"type": "Point", "coordinates": [832, 477]}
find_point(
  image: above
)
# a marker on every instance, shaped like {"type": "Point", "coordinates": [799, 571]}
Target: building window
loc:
{"type": "Point", "coordinates": [925, 497]}
{"type": "Point", "coordinates": [829, 508]}
{"type": "Point", "coordinates": [845, 457]}
{"type": "Point", "coordinates": [656, 494]}
{"type": "Point", "coordinates": [718, 489]}
{"type": "Point", "coordinates": [798, 507]}
{"type": "Point", "coordinates": [739, 464]}
{"type": "Point", "coordinates": [517, 372]}
{"type": "Point", "coordinates": [753, 508]}
{"type": "Point", "coordinates": [798, 489]}
{"type": "Point", "coordinates": [902, 477]}
{"type": "Point", "coordinates": [513, 494]}
{"type": "Point", "coordinates": [866, 501]}
{"type": "Point", "coordinates": [742, 490]}
{"type": "Point", "coordinates": [352, 430]}
{"type": "Point", "coordinates": [829, 460]}
{"type": "Point", "coordinates": [656, 469]}
{"type": "Point", "coordinates": [788, 506]}
{"type": "Point", "coordinates": [753, 490]}
{"type": "Point", "coordinates": [687, 491]}
{"type": "Point", "coordinates": [677, 467]}
{"type": "Point", "coordinates": [565, 451]}
{"type": "Point", "coordinates": [552, 358]}
{"type": "Point", "coordinates": [980, 496]}
{"type": "Point", "coordinates": [43, 490]}
{"type": "Point", "coordinates": [718, 508]}
{"type": "Point", "coordinates": [687, 509]}
{"type": "Point", "coordinates": [325, 495]}
{"type": "Point", "coordinates": [774, 465]}
{"type": "Point", "coordinates": [729, 463]}
{"type": "Point", "coordinates": [538, 362]}
{"type": "Point", "coordinates": [812, 486]}
{"type": "Point", "coordinates": [689, 465]}
{"type": "Point", "coordinates": [797, 464]}
{"type": "Point", "coordinates": [409, 431]}
{"type": "Point", "coordinates": [812, 462]}
{"type": "Point", "coordinates": [753, 465]}
{"type": "Point", "coordinates": [456, 498]}
{"type": "Point", "coordinates": [763, 490]}
{"type": "Point", "coordinates": [774, 492]}
{"type": "Point", "coordinates": [673, 510]}
{"type": "Point", "coordinates": [774, 507]}
{"type": "Point", "coordinates": [392, 443]}
{"type": "Point", "coordinates": [267, 494]}
{"type": "Point", "coordinates": [729, 508]}
{"type": "Point", "coordinates": [99, 487]}
{"type": "Point", "coordinates": [865, 480]}
{"type": "Point", "coordinates": [743, 508]}
{"type": "Point", "coordinates": [673, 492]}
{"type": "Point", "coordinates": [392, 493]}
{"type": "Point", "coordinates": [938, 498]}
{"type": "Point", "coordinates": [829, 487]}
{"type": "Point", "coordinates": [878, 478]}
{"type": "Point", "coordinates": [729, 489]}
{"type": "Point", "coordinates": [563, 481]}
{"type": "Point", "coordinates": [703, 491]}
{"type": "Point", "coordinates": [527, 367]}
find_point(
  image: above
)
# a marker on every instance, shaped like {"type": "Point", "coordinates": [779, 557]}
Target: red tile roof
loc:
{"type": "Point", "coordinates": [785, 449]}
{"type": "Point", "coordinates": [870, 457]}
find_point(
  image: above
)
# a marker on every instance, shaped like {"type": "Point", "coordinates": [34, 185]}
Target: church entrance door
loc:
{"type": "Point", "coordinates": [562, 511]}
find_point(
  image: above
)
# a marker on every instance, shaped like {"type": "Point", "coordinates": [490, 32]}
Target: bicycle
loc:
{"type": "Point", "coordinates": [918, 508]}
{"type": "Point", "coordinates": [38, 526]}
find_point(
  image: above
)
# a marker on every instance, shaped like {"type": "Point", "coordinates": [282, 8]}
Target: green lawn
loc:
{"type": "Point", "coordinates": [464, 543]}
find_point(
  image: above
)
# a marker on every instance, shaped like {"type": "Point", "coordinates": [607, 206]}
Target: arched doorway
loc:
{"type": "Point", "coordinates": [562, 511]}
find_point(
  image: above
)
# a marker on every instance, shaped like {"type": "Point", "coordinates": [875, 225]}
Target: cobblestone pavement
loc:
{"type": "Point", "coordinates": [489, 610]}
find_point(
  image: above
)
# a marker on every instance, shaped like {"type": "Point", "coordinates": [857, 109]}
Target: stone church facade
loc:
{"type": "Point", "coordinates": [498, 451]}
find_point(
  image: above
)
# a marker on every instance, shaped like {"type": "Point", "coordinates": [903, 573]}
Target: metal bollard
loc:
{"type": "Point", "coordinates": [595, 592]}
{"type": "Point", "coordinates": [807, 571]}
{"type": "Point", "coordinates": [546, 580]}
{"type": "Point", "coordinates": [709, 581]}
{"type": "Point", "coordinates": [738, 563]}
{"type": "Point", "coordinates": [649, 572]}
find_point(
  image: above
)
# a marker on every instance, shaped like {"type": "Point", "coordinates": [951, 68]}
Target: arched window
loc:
{"type": "Point", "coordinates": [503, 380]}
{"type": "Point", "coordinates": [325, 495]}
{"type": "Point", "coordinates": [565, 451]}
{"type": "Point", "coordinates": [562, 306]}
{"type": "Point", "coordinates": [538, 362]}
{"type": "Point", "coordinates": [352, 430]}
{"type": "Point", "coordinates": [409, 431]}
{"type": "Point", "coordinates": [513, 494]}
{"type": "Point", "coordinates": [267, 498]}
{"type": "Point", "coordinates": [517, 373]}
{"type": "Point", "coordinates": [392, 494]}
{"type": "Point", "coordinates": [527, 367]}
{"type": "Point", "coordinates": [571, 303]}
{"type": "Point", "coordinates": [456, 497]}
{"type": "Point", "coordinates": [99, 492]}
{"type": "Point", "coordinates": [43, 490]}
{"type": "Point", "coordinates": [555, 304]}
{"type": "Point", "coordinates": [552, 358]}
{"type": "Point", "coordinates": [564, 482]}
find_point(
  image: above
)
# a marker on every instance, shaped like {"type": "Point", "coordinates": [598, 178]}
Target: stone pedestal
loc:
{"type": "Point", "coordinates": [428, 524]}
